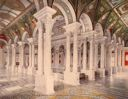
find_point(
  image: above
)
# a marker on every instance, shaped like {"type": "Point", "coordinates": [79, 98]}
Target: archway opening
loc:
{"type": "Point", "coordinates": [83, 78]}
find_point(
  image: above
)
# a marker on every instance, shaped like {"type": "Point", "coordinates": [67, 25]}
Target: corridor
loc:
{"type": "Point", "coordinates": [70, 49]}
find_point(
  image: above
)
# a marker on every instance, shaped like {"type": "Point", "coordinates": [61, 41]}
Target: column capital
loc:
{"type": "Point", "coordinates": [43, 13]}
{"type": "Point", "coordinates": [13, 45]}
{"type": "Point", "coordinates": [20, 43]}
{"type": "Point", "coordinates": [73, 27]}
{"type": "Point", "coordinates": [30, 40]}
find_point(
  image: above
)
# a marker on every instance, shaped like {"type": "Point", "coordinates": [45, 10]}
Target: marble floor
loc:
{"type": "Point", "coordinates": [115, 87]}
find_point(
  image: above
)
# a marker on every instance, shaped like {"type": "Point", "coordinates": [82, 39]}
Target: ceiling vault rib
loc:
{"type": "Point", "coordinates": [85, 6]}
{"type": "Point", "coordinates": [95, 19]}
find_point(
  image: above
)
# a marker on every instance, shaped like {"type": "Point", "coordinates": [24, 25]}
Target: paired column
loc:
{"type": "Point", "coordinates": [75, 52]}
{"type": "Point", "coordinates": [120, 58]}
{"type": "Point", "coordinates": [44, 81]}
{"type": "Point", "coordinates": [2, 58]}
{"type": "Point", "coordinates": [72, 77]}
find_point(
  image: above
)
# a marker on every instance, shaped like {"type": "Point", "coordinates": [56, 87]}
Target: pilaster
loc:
{"type": "Point", "coordinates": [72, 77]}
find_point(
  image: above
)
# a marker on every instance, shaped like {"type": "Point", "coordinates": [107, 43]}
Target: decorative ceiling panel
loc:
{"type": "Point", "coordinates": [11, 9]}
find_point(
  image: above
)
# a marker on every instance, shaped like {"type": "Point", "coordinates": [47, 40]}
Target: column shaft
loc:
{"type": "Point", "coordinates": [96, 56]}
{"type": "Point", "coordinates": [68, 53]}
{"type": "Point", "coordinates": [91, 59]}
{"type": "Point", "coordinates": [75, 53]}
{"type": "Point", "coordinates": [102, 56]}
{"type": "Point", "coordinates": [40, 50]}
{"type": "Point", "coordinates": [13, 59]}
{"type": "Point", "coordinates": [21, 56]}
{"type": "Point", "coordinates": [84, 56]}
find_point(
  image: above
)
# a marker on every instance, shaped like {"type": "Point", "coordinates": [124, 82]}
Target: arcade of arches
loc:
{"type": "Point", "coordinates": [62, 48]}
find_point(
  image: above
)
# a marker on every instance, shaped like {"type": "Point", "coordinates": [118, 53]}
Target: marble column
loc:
{"type": "Point", "coordinates": [30, 68]}
{"type": "Point", "coordinates": [116, 57]}
{"type": "Point", "coordinates": [120, 58]}
{"type": "Point", "coordinates": [102, 63]}
{"type": "Point", "coordinates": [72, 77]}
{"type": "Point", "coordinates": [79, 58]}
{"type": "Point", "coordinates": [21, 59]}
{"type": "Point", "coordinates": [84, 62]}
{"type": "Point", "coordinates": [8, 66]}
{"type": "Point", "coordinates": [2, 59]}
{"type": "Point", "coordinates": [13, 60]}
{"type": "Point", "coordinates": [91, 60]}
{"type": "Point", "coordinates": [96, 57]}
{"type": "Point", "coordinates": [68, 61]}
{"type": "Point", "coordinates": [44, 81]}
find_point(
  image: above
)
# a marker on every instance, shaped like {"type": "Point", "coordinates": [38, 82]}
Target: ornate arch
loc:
{"type": "Point", "coordinates": [86, 22]}
{"type": "Point", "coordinates": [3, 41]}
{"type": "Point", "coordinates": [67, 10]}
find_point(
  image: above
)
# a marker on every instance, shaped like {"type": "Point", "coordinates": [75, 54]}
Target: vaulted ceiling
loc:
{"type": "Point", "coordinates": [16, 16]}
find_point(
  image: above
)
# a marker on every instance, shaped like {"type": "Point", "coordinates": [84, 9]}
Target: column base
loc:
{"type": "Point", "coordinates": [102, 72]}
{"type": "Point", "coordinates": [83, 71]}
{"type": "Point", "coordinates": [71, 78]}
{"type": "Point", "coordinates": [91, 75]}
{"type": "Point", "coordinates": [110, 71]}
{"type": "Point", "coordinates": [44, 84]}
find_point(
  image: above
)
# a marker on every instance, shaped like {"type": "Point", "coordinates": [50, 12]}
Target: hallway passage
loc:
{"type": "Point", "coordinates": [115, 87]}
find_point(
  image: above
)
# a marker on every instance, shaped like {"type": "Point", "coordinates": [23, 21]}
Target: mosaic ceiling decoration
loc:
{"type": "Point", "coordinates": [112, 14]}
{"type": "Point", "coordinates": [10, 10]}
